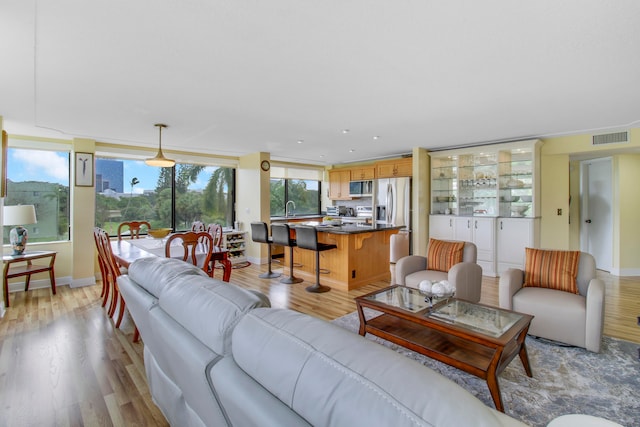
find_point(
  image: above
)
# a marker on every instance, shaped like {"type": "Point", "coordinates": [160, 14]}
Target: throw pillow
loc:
{"type": "Point", "coordinates": [443, 255]}
{"type": "Point", "coordinates": [551, 269]}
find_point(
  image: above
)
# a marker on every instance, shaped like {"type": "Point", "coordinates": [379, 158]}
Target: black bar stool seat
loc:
{"type": "Point", "coordinates": [260, 234]}
{"type": "Point", "coordinates": [281, 235]}
{"type": "Point", "coordinates": [307, 238]}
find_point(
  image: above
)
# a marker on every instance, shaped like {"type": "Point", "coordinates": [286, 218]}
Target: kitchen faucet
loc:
{"type": "Point", "coordinates": [287, 212]}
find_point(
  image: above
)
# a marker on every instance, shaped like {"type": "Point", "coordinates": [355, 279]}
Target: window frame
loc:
{"type": "Point", "coordinates": [54, 146]}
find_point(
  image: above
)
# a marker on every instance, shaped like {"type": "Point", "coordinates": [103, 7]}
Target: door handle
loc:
{"type": "Point", "coordinates": [588, 221]}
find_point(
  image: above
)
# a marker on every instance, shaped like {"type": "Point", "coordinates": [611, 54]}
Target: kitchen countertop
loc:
{"type": "Point", "coordinates": [347, 228]}
{"type": "Point", "coordinates": [295, 217]}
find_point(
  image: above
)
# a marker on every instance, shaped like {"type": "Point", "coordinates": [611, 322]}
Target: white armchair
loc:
{"type": "Point", "coordinates": [466, 276]}
{"type": "Point", "coordinates": [574, 319]}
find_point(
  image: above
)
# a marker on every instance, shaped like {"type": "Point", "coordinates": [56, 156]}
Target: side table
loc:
{"type": "Point", "coordinates": [12, 270]}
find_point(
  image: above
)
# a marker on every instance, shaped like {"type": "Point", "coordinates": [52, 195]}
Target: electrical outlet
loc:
{"type": "Point", "coordinates": [559, 211]}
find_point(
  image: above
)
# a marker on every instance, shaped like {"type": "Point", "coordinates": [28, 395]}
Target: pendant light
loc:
{"type": "Point", "coordinates": [160, 160]}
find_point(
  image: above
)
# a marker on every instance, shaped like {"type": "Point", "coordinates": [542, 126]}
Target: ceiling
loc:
{"type": "Point", "coordinates": [289, 77]}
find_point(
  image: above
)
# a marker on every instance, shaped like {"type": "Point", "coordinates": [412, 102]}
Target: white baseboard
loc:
{"type": "Point", "coordinates": [258, 261]}
{"type": "Point", "coordinates": [625, 272]}
{"type": "Point", "coordinates": [87, 281]}
{"type": "Point", "coordinates": [18, 286]}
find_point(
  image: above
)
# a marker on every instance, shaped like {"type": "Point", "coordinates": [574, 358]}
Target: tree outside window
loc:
{"type": "Point", "coordinates": [40, 178]}
{"type": "Point", "coordinates": [304, 193]}
{"type": "Point", "coordinates": [129, 190]}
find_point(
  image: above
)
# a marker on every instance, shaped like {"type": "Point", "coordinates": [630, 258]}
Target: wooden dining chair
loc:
{"type": "Point", "coordinates": [198, 226]}
{"type": "Point", "coordinates": [134, 228]}
{"type": "Point", "coordinates": [106, 290]}
{"type": "Point", "coordinates": [193, 247]}
{"type": "Point", "coordinates": [216, 232]}
{"type": "Point", "coordinates": [112, 272]}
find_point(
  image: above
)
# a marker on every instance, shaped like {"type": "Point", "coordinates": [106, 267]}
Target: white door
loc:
{"type": "Point", "coordinates": [596, 213]}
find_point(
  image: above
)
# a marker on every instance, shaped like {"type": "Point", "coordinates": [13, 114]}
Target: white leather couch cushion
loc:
{"type": "Point", "coordinates": [209, 310]}
{"type": "Point", "coordinates": [154, 273]}
{"type": "Point", "coordinates": [332, 377]}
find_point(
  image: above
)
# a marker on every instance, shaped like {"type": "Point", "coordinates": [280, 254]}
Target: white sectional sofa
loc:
{"type": "Point", "coordinates": [218, 355]}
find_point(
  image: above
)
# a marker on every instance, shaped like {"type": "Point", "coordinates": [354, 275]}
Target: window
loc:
{"type": "Point", "coordinates": [40, 178]}
{"type": "Point", "coordinates": [299, 185]}
{"type": "Point", "coordinates": [303, 193]}
{"type": "Point", "coordinates": [129, 190]}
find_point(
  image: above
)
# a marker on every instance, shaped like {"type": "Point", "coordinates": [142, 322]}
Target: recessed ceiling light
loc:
{"type": "Point", "coordinates": [300, 141]}
{"type": "Point", "coordinates": [376, 137]}
{"type": "Point", "coordinates": [345, 130]}
{"type": "Point", "coordinates": [352, 150]}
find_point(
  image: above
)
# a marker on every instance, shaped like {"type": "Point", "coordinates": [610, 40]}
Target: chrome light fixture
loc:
{"type": "Point", "coordinates": [160, 160]}
{"type": "Point", "coordinates": [17, 215]}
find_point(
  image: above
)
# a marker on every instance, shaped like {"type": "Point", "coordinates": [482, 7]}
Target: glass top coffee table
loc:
{"type": "Point", "coordinates": [476, 338]}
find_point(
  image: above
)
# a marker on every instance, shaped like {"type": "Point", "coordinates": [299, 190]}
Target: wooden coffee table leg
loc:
{"type": "Point", "coordinates": [494, 389]}
{"type": "Point", "coordinates": [492, 380]}
{"type": "Point", "coordinates": [524, 356]}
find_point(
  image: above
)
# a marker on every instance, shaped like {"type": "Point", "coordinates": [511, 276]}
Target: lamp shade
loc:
{"type": "Point", "coordinates": [19, 215]}
{"type": "Point", "coordinates": [160, 160]}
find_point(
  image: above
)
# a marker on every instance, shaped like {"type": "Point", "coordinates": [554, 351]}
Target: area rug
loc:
{"type": "Point", "coordinates": [566, 380]}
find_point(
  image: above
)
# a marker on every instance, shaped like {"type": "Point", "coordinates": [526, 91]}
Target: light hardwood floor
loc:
{"type": "Point", "coordinates": [63, 363]}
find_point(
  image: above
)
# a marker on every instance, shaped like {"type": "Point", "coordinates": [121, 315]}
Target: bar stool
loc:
{"type": "Point", "coordinates": [307, 238]}
{"type": "Point", "coordinates": [260, 234]}
{"type": "Point", "coordinates": [281, 235]}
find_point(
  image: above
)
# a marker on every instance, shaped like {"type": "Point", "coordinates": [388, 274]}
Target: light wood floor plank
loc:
{"type": "Point", "coordinates": [64, 353]}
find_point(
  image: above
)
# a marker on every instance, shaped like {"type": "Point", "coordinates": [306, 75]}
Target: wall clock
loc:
{"type": "Point", "coordinates": [265, 165]}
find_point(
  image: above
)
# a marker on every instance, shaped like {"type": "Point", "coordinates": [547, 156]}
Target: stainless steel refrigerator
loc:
{"type": "Point", "coordinates": [393, 202]}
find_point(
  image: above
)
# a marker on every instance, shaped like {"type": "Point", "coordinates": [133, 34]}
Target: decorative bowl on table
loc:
{"type": "Point", "coordinates": [327, 220]}
{"type": "Point", "coordinates": [436, 291]}
{"type": "Point", "coordinates": [159, 233]}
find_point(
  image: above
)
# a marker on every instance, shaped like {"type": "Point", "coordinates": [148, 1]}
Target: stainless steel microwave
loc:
{"type": "Point", "coordinates": [360, 188]}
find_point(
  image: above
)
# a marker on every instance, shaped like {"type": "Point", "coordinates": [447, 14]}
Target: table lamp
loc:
{"type": "Point", "coordinates": [18, 216]}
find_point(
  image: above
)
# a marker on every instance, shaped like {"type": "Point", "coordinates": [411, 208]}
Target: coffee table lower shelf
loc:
{"type": "Point", "coordinates": [483, 360]}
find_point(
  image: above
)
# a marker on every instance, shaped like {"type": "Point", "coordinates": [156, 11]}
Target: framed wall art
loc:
{"type": "Point", "coordinates": [84, 170]}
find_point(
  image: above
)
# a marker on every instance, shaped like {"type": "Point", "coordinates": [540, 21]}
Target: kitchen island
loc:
{"type": "Point", "coordinates": [361, 256]}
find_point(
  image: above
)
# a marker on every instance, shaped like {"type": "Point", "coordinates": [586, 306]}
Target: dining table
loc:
{"type": "Point", "coordinates": [128, 251]}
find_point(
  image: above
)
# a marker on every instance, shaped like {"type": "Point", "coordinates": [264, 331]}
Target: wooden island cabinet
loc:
{"type": "Point", "coordinates": [362, 255]}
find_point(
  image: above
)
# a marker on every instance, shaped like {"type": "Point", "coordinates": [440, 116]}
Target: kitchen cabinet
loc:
{"type": "Point", "coordinates": [490, 196]}
{"type": "Point", "coordinates": [479, 230]}
{"type": "Point", "coordinates": [492, 180]}
{"type": "Point", "coordinates": [519, 188]}
{"type": "Point", "coordinates": [441, 227]}
{"type": "Point", "coordinates": [394, 168]}
{"type": "Point", "coordinates": [514, 235]}
{"type": "Point", "coordinates": [339, 184]}
{"type": "Point", "coordinates": [363, 174]}
{"type": "Point", "coordinates": [464, 183]}
{"type": "Point", "coordinates": [484, 236]}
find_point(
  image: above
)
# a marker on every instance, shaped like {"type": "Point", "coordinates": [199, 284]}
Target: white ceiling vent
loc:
{"type": "Point", "coordinates": [610, 138]}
